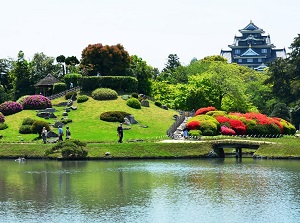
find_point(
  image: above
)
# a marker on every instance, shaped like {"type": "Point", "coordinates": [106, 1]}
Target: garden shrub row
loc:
{"type": "Point", "coordinates": [212, 122]}
{"type": "Point", "coordinates": [124, 83]}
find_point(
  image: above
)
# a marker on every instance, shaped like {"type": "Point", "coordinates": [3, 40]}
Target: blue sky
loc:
{"type": "Point", "coordinates": [150, 29]}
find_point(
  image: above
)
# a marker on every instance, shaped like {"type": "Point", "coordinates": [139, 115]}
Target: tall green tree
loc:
{"type": "Point", "coordinates": [21, 77]}
{"type": "Point", "coordinates": [71, 63]}
{"type": "Point", "coordinates": [40, 66]}
{"type": "Point", "coordinates": [139, 69]}
{"type": "Point", "coordinates": [61, 60]}
{"type": "Point", "coordinates": [5, 78]}
{"type": "Point", "coordinates": [97, 59]}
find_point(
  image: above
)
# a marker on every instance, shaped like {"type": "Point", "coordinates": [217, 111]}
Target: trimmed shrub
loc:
{"type": "Point", "coordinates": [59, 87]}
{"type": "Point", "coordinates": [202, 111]}
{"type": "Point", "coordinates": [157, 103]}
{"type": "Point", "coordinates": [195, 133]}
{"type": "Point", "coordinates": [135, 95]}
{"type": "Point", "coordinates": [28, 121]}
{"type": "Point", "coordinates": [193, 125]}
{"type": "Point", "coordinates": [38, 125]}
{"type": "Point", "coordinates": [25, 129]}
{"type": "Point", "coordinates": [216, 113]}
{"type": "Point", "coordinates": [3, 126]}
{"type": "Point", "coordinates": [134, 103]}
{"type": "Point", "coordinates": [33, 102]}
{"type": "Point", "coordinates": [66, 120]}
{"type": "Point", "coordinates": [113, 116]}
{"type": "Point", "coordinates": [69, 149]}
{"type": "Point", "coordinates": [10, 107]}
{"type": "Point", "coordinates": [227, 131]}
{"type": "Point", "coordinates": [208, 128]}
{"type": "Point", "coordinates": [2, 118]}
{"type": "Point", "coordinates": [82, 98]}
{"type": "Point", "coordinates": [71, 95]}
{"type": "Point", "coordinates": [104, 94]}
{"type": "Point", "coordinates": [21, 99]}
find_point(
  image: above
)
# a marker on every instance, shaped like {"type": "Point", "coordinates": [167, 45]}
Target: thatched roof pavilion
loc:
{"type": "Point", "coordinates": [46, 83]}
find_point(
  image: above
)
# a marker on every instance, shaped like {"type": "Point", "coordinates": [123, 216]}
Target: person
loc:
{"type": "Point", "coordinates": [185, 133]}
{"type": "Point", "coordinates": [120, 133]}
{"type": "Point", "coordinates": [44, 135]}
{"type": "Point", "coordinates": [68, 133]}
{"type": "Point", "coordinates": [60, 133]}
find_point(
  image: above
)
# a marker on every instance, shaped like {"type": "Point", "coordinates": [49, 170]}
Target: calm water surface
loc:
{"type": "Point", "coordinates": [214, 190]}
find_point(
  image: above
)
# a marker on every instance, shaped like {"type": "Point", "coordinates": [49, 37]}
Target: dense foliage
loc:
{"type": "Point", "coordinates": [104, 94]}
{"type": "Point", "coordinates": [10, 107]}
{"type": "Point", "coordinates": [59, 87]}
{"type": "Point", "coordinates": [38, 125]}
{"type": "Point", "coordinates": [33, 102]}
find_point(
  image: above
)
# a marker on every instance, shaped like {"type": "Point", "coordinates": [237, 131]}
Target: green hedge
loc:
{"type": "Point", "coordinates": [73, 78]}
{"type": "Point", "coordinates": [124, 83]}
{"type": "Point", "coordinates": [59, 87]}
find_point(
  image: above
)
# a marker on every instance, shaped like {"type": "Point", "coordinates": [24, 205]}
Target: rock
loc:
{"type": "Point", "coordinates": [164, 107]}
{"type": "Point", "coordinates": [67, 109]}
{"type": "Point", "coordinates": [131, 119]}
{"type": "Point", "coordinates": [51, 134]}
{"type": "Point", "coordinates": [126, 121]}
{"type": "Point", "coordinates": [65, 113]}
{"type": "Point", "coordinates": [73, 107]}
{"type": "Point", "coordinates": [145, 103]}
{"type": "Point", "coordinates": [57, 124]}
{"type": "Point", "coordinates": [70, 103]}
{"type": "Point", "coordinates": [43, 114]}
{"type": "Point", "coordinates": [52, 115]}
{"type": "Point", "coordinates": [50, 110]}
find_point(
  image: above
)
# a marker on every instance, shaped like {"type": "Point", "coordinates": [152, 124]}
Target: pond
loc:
{"type": "Point", "coordinates": [197, 190]}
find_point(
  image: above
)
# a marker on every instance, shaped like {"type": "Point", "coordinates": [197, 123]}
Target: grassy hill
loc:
{"type": "Point", "coordinates": [87, 126]}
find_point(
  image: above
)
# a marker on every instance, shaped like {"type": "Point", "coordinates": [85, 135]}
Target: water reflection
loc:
{"type": "Point", "coordinates": [214, 190]}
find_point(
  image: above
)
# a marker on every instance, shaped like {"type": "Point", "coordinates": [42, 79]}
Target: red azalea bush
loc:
{"type": "Point", "coordinates": [10, 107]}
{"type": "Point", "coordinates": [238, 126]}
{"type": "Point", "coordinates": [202, 111]}
{"type": "Point", "coordinates": [222, 119]}
{"type": "Point", "coordinates": [193, 125]}
{"type": "Point", "coordinates": [33, 102]}
{"type": "Point", "coordinates": [227, 131]}
{"type": "Point", "coordinates": [2, 118]}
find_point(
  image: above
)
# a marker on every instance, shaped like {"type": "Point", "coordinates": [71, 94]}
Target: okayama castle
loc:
{"type": "Point", "coordinates": [252, 49]}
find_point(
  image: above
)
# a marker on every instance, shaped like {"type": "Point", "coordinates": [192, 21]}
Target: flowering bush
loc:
{"type": "Point", "coordinates": [227, 131]}
{"type": "Point", "coordinates": [10, 107]}
{"type": "Point", "coordinates": [202, 111]}
{"type": "Point", "coordinates": [193, 125]}
{"type": "Point", "coordinates": [33, 102]}
{"type": "Point", "coordinates": [2, 118]}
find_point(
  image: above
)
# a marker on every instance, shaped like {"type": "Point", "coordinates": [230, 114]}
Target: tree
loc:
{"type": "Point", "coordinates": [139, 69]}
{"type": "Point", "coordinates": [281, 111]}
{"type": "Point", "coordinates": [5, 78]}
{"type": "Point", "coordinates": [71, 63]}
{"type": "Point", "coordinates": [42, 65]}
{"type": "Point", "coordinates": [172, 63]}
{"type": "Point", "coordinates": [61, 60]}
{"type": "Point", "coordinates": [97, 59]}
{"type": "Point", "coordinates": [21, 77]}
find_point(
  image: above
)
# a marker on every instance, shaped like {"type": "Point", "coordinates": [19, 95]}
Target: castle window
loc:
{"type": "Point", "coordinates": [264, 50]}
{"type": "Point", "coordinates": [240, 60]}
{"type": "Point", "coordinates": [250, 60]}
{"type": "Point", "coordinates": [237, 51]}
{"type": "Point", "coordinates": [259, 60]}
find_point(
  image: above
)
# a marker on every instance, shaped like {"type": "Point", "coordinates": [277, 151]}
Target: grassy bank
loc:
{"type": "Point", "coordinates": [283, 148]}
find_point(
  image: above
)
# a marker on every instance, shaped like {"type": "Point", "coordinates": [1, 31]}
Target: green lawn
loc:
{"type": "Point", "coordinates": [87, 126]}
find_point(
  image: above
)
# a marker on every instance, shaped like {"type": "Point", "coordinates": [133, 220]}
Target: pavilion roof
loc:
{"type": "Point", "coordinates": [49, 80]}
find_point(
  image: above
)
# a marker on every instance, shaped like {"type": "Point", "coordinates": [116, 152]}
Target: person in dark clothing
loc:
{"type": "Point", "coordinates": [68, 133]}
{"type": "Point", "coordinates": [120, 133]}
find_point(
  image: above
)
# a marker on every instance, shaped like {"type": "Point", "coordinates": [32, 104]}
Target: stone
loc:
{"type": "Point", "coordinates": [51, 134]}
{"type": "Point", "coordinates": [43, 114]}
{"type": "Point", "coordinates": [52, 115]}
{"type": "Point", "coordinates": [126, 121]}
{"type": "Point", "coordinates": [131, 119]}
{"type": "Point", "coordinates": [67, 109]}
{"type": "Point", "coordinates": [65, 113]}
{"type": "Point", "coordinates": [57, 124]}
{"type": "Point", "coordinates": [50, 110]}
{"type": "Point", "coordinates": [145, 103]}
{"type": "Point", "coordinates": [73, 107]}
{"type": "Point", "coordinates": [164, 107]}
{"type": "Point", "coordinates": [70, 103]}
